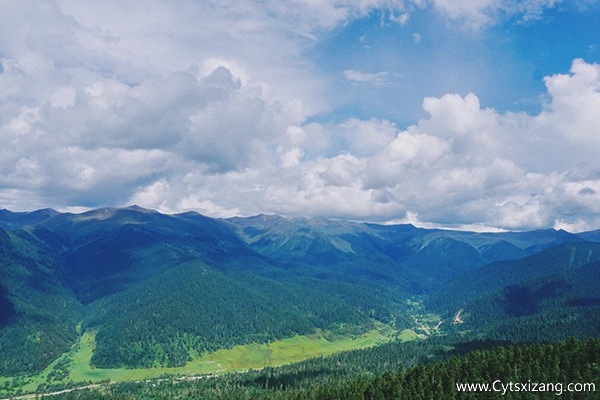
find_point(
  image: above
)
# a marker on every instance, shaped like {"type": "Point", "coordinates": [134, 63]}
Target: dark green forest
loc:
{"type": "Point", "coordinates": [38, 314]}
{"type": "Point", "coordinates": [191, 307]}
{"type": "Point", "coordinates": [550, 295]}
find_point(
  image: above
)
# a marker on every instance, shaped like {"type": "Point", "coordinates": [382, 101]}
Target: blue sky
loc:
{"type": "Point", "coordinates": [429, 55]}
{"type": "Point", "coordinates": [467, 114]}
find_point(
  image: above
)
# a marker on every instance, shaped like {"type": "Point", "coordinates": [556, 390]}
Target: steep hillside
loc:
{"type": "Point", "coordinates": [191, 309]}
{"type": "Point", "coordinates": [38, 312]}
{"type": "Point", "coordinates": [546, 296]}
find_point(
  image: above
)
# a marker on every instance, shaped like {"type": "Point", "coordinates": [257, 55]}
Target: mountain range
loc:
{"type": "Point", "coordinates": [160, 289]}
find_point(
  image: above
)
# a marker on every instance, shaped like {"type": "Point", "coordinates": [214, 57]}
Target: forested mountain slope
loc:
{"type": "Point", "coordinates": [546, 296]}
{"type": "Point", "coordinates": [38, 311]}
{"type": "Point", "coordinates": [160, 289]}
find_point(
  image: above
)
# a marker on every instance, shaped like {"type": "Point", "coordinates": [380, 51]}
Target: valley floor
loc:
{"type": "Point", "coordinates": [73, 369]}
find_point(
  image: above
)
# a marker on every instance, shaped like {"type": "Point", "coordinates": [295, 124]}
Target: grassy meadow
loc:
{"type": "Point", "coordinates": [75, 365]}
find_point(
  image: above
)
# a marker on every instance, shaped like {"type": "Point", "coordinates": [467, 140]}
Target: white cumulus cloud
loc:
{"type": "Point", "coordinates": [214, 106]}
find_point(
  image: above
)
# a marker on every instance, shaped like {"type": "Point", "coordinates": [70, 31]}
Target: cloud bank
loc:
{"type": "Point", "coordinates": [99, 107]}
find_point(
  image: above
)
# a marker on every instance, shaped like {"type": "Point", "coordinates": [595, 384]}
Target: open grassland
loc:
{"type": "Point", "coordinates": [75, 365]}
{"type": "Point", "coordinates": [297, 348]}
{"type": "Point", "coordinates": [238, 358]}
{"type": "Point", "coordinates": [29, 384]}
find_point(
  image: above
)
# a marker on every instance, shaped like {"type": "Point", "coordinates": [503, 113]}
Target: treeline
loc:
{"type": "Point", "coordinates": [542, 371]}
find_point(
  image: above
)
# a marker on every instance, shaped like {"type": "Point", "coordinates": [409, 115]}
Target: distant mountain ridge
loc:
{"type": "Point", "coordinates": [12, 220]}
{"type": "Point", "coordinates": [161, 288]}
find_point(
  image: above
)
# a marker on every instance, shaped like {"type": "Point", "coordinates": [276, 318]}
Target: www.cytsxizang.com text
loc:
{"type": "Point", "coordinates": [529, 386]}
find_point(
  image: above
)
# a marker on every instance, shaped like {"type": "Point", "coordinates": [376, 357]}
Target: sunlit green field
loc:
{"type": "Point", "coordinates": [238, 358]}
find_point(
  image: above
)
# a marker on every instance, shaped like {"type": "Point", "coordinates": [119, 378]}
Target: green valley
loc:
{"type": "Point", "coordinates": [129, 294]}
{"type": "Point", "coordinates": [74, 368]}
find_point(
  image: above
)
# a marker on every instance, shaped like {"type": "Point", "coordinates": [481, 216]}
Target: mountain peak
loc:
{"type": "Point", "coordinates": [135, 207]}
